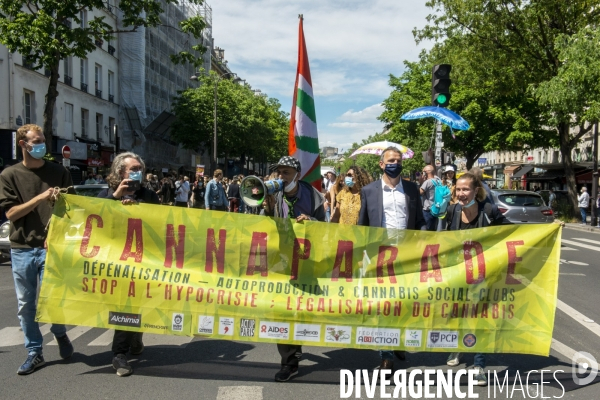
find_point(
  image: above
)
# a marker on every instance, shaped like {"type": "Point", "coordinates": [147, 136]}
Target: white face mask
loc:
{"type": "Point", "coordinates": [290, 186]}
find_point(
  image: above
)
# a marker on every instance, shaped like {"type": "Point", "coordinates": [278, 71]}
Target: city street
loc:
{"type": "Point", "coordinates": [180, 367]}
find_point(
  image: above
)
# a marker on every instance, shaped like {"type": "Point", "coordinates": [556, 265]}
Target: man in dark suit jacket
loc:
{"type": "Point", "coordinates": [392, 203]}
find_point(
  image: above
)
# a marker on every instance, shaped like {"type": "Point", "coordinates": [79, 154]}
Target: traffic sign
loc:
{"type": "Point", "coordinates": [66, 152]}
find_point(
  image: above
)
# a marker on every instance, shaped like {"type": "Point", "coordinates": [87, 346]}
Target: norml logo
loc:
{"type": "Point", "coordinates": [124, 319]}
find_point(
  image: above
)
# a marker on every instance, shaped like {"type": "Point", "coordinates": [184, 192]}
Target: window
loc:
{"type": "Point", "coordinates": [68, 70]}
{"type": "Point", "coordinates": [84, 122]}
{"type": "Point", "coordinates": [83, 19]}
{"type": "Point", "coordinates": [111, 130]}
{"type": "Point", "coordinates": [98, 80]}
{"type": "Point", "coordinates": [99, 120]}
{"type": "Point", "coordinates": [111, 82]}
{"type": "Point", "coordinates": [83, 75]}
{"type": "Point", "coordinates": [68, 120]}
{"type": "Point", "coordinates": [28, 98]}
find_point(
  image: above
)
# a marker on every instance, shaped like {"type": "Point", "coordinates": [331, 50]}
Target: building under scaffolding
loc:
{"type": "Point", "coordinates": [149, 82]}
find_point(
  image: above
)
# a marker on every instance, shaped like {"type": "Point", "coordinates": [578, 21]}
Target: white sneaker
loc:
{"type": "Point", "coordinates": [453, 360]}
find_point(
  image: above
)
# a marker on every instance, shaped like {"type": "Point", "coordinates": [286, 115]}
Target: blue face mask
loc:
{"type": "Point", "coordinates": [469, 204]}
{"type": "Point", "coordinates": [393, 170]}
{"type": "Point", "coordinates": [37, 151]}
{"type": "Point", "coordinates": [136, 176]}
{"type": "Point", "coordinates": [349, 181]}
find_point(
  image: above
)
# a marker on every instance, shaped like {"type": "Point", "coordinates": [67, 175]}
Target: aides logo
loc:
{"type": "Point", "coordinates": [247, 327]}
{"type": "Point", "coordinates": [206, 324]}
{"type": "Point", "coordinates": [442, 339]}
{"type": "Point", "coordinates": [226, 325]}
{"type": "Point", "coordinates": [124, 319]}
{"type": "Point", "coordinates": [274, 330]}
{"type": "Point", "coordinates": [413, 338]}
{"type": "Point", "coordinates": [469, 340]}
{"type": "Point", "coordinates": [338, 334]}
{"type": "Point", "coordinates": [177, 325]}
{"type": "Point", "coordinates": [308, 332]}
{"type": "Point", "coordinates": [377, 336]}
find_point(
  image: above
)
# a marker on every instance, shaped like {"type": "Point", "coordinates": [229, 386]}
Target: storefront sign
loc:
{"type": "Point", "coordinates": [92, 162]}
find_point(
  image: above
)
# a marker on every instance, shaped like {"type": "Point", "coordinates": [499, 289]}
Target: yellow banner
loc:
{"type": "Point", "coordinates": [181, 271]}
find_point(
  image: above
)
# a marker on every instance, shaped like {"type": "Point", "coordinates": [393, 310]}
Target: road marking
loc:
{"type": "Point", "coordinates": [571, 274]}
{"type": "Point", "coordinates": [585, 246]}
{"type": "Point", "coordinates": [577, 316]}
{"type": "Point", "coordinates": [45, 329]}
{"type": "Point", "coordinates": [11, 336]}
{"type": "Point", "coordinates": [567, 248]}
{"type": "Point", "coordinates": [103, 340]}
{"type": "Point", "coordinates": [73, 334]}
{"type": "Point", "coordinates": [563, 349]}
{"type": "Point", "coordinates": [240, 392]}
{"type": "Point", "coordinates": [577, 263]}
{"type": "Point", "coordinates": [588, 240]}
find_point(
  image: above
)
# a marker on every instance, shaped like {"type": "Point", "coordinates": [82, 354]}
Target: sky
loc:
{"type": "Point", "coordinates": [353, 46]}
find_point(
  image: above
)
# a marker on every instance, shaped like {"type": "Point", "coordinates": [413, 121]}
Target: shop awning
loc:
{"type": "Point", "coordinates": [511, 168]}
{"type": "Point", "coordinates": [522, 171]}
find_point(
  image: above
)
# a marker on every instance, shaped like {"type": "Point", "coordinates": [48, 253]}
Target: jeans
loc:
{"type": "Point", "coordinates": [27, 267]}
{"type": "Point", "coordinates": [386, 354]}
{"type": "Point", "coordinates": [583, 215]}
{"type": "Point", "coordinates": [479, 360]}
{"type": "Point", "coordinates": [430, 221]}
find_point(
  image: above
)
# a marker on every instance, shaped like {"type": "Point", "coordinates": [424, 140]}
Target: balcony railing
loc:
{"type": "Point", "coordinates": [68, 80]}
{"type": "Point", "coordinates": [99, 93]}
{"type": "Point", "coordinates": [67, 23]}
{"type": "Point", "coordinates": [84, 87]}
{"type": "Point", "coordinates": [111, 98]}
{"type": "Point", "coordinates": [47, 72]}
{"type": "Point", "coordinates": [99, 43]}
{"type": "Point", "coordinates": [84, 135]}
{"type": "Point", "coordinates": [111, 50]}
{"type": "Point", "coordinates": [28, 64]}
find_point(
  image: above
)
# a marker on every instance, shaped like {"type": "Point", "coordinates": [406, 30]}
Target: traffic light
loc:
{"type": "Point", "coordinates": [440, 85]}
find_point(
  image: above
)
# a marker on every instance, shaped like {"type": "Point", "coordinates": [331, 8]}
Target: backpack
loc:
{"type": "Point", "coordinates": [441, 199]}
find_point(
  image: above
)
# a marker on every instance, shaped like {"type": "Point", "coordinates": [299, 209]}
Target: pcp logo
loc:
{"type": "Point", "coordinates": [584, 363]}
{"type": "Point", "coordinates": [274, 330]}
{"type": "Point", "coordinates": [177, 325]}
{"type": "Point", "coordinates": [442, 339]}
{"type": "Point", "coordinates": [206, 324]}
{"type": "Point", "coordinates": [413, 338]}
{"type": "Point", "coordinates": [124, 319]}
{"type": "Point", "coordinates": [226, 326]}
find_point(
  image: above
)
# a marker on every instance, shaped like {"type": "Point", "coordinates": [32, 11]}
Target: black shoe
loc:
{"type": "Point", "coordinates": [285, 373]}
{"type": "Point", "coordinates": [65, 348]}
{"type": "Point", "coordinates": [33, 362]}
{"type": "Point", "coordinates": [386, 364]}
{"type": "Point", "coordinates": [401, 354]}
{"type": "Point", "coordinates": [137, 346]}
{"type": "Point", "coordinates": [121, 365]}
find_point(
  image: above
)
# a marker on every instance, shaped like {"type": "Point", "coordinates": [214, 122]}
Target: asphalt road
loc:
{"type": "Point", "coordinates": [177, 368]}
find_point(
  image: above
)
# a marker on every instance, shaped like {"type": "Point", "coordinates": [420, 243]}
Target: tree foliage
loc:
{"type": "Point", "coordinates": [42, 31]}
{"type": "Point", "coordinates": [515, 45]}
{"type": "Point", "coordinates": [248, 125]}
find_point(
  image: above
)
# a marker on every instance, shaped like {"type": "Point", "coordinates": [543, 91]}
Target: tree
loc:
{"type": "Point", "coordinates": [248, 125]}
{"type": "Point", "coordinates": [40, 30]}
{"type": "Point", "coordinates": [514, 45]}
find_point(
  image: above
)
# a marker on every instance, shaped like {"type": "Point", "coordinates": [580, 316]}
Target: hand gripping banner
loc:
{"type": "Point", "coordinates": [179, 271]}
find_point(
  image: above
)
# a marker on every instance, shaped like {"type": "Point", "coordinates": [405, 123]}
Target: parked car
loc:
{"type": "Point", "coordinates": [4, 241]}
{"type": "Point", "coordinates": [522, 207]}
{"type": "Point", "coordinates": [89, 190]}
{"type": "Point", "coordinates": [81, 190]}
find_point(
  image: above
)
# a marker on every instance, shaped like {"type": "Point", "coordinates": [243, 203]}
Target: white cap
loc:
{"type": "Point", "coordinates": [448, 168]}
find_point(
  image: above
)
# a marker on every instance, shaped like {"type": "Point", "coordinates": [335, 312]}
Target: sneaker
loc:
{"type": "Point", "coordinates": [33, 362]}
{"type": "Point", "coordinates": [285, 373]}
{"type": "Point", "coordinates": [386, 364]}
{"type": "Point", "coordinates": [65, 348]}
{"type": "Point", "coordinates": [481, 377]}
{"type": "Point", "coordinates": [121, 365]}
{"type": "Point", "coordinates": [453, 360]}
{"type": "Point", "coordinates": [137, 346]}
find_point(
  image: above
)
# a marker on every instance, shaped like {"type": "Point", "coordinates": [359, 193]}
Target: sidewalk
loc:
{"type": "Point", "coordinates": [580, 227]}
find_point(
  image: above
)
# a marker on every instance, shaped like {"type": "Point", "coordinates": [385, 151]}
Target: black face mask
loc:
{"type": "Point", "coordinates": [393, 170]}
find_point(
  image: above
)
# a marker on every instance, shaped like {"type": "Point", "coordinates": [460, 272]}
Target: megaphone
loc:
{"type": "Point", "coordinates": [253, 190]}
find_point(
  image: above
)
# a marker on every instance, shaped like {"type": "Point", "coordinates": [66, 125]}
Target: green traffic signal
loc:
{"type": "Point", "coordinates": [442, 99]}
